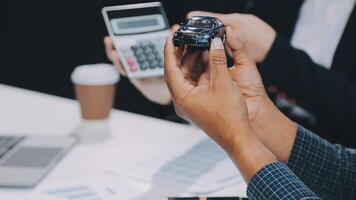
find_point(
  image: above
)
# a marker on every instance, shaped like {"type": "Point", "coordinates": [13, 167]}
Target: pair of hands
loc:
{"type": "Point", "coordinates": [255, 33]}
{"type": "Point", "coordinates": [230, 105]}
{"type": "Point", "coordinates": [219, 100]}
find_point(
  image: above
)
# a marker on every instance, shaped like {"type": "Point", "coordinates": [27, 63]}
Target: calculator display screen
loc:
{"type": "Point", "coordinates": [137, 20]}
{"type": "Point", "coordinates": [140, 23]}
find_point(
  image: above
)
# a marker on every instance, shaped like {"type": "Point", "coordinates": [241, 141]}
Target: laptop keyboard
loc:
{"type": "Point", "coordinates": [7, 143]}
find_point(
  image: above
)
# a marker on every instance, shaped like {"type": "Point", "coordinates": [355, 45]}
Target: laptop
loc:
{"type": "Point", "coordinates": [24, 161]}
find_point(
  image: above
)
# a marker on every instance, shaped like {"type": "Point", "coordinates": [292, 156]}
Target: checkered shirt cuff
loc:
{"type": "Point", "coordinates": [277, 181]}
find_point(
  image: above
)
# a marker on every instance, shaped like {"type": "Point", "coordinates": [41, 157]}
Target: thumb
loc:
{"type": "Point", "coordinates": [219, 74]}
{"type": "Point", "coordinates": [244, 72]}
{"type": "Point", "coordinates": [237, 49]}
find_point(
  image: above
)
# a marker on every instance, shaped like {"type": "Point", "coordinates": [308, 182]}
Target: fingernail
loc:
{"type": "Point", "coordinates": [231, 68]}
{"type": "Point", "coordinates": [217, 43]}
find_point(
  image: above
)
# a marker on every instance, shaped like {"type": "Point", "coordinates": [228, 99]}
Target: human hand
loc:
{"type": "Point", "coordinates": [252, 31]}
{"type": "Point", "coordinates": [154, 89]}
{"type": "Point", "coordinates": [245, 73]}
{"type": "Point", "coordinates": [212, 101]}
{"type": "Point", "coordinates": [215, 103]}
{"type": "Point", "coordinates": [268, 122]}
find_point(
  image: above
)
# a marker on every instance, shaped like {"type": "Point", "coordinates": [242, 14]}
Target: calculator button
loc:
{"type": "Point", "coordinates": [138, 52]}
{"type": "Point", "coordinates": [130, 61]}
{"type": "Point", "coordinates": [143, 44]}
{"type": "Point", "coordinates": [133, 68]}
{"type": "Point", "coordinates": [151, 45]}
{"type": "Point", "coordinates": [144, 65]}
{"type": "Point", "coordinates": [132, 64]}
{"type": "Point", "coordinates": [148, 50]}
{"type": "Point", "coordinates": [148, 53]}
{"type": "Point", "coordinates": [151, 57]}
{"type": "Point", "coordinates": [141, 58]}
{"type": "Point", "coordinates": [155, 53]}
{"type": "Point", "coordinates": [153, 64]}
{"type": "Point", "coordinates": [158, 59]}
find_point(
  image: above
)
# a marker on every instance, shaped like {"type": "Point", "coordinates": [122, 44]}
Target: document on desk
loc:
{"type": "Point", "coordinates": [200, 169]}
{"type": "Point", "coordinates": [13, 196]}
{"type": "Point", "coordinates": [101, 186]}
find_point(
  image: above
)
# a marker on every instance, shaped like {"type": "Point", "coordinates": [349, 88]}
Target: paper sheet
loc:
{"type": "Point", "coordinates": [201, 169]}
{"type": "Point", "coordinates": [101, 186]}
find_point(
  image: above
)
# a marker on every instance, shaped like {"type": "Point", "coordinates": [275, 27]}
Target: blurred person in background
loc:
{"type": "Point", "coordinates": [317, 71]}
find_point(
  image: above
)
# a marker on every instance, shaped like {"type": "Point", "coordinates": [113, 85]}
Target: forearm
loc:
{"type": "Point", "coordinates": [248, 153]}
{"type": "Point", "coordinates": [275, 130]}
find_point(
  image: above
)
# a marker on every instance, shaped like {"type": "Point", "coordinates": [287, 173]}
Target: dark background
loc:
{"type": "Point", "coordinates": [43, 40]}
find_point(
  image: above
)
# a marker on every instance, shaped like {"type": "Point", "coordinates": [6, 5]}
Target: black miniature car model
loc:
{"type": "Point", "coordinates": [198, 32]}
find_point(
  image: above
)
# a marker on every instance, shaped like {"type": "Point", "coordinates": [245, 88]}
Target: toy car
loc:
{"type": "Point", "coordinates": [198, 32]}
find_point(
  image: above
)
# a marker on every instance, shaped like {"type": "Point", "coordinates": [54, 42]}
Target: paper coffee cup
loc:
{"type": "Point", "coordinates": [94, 87]}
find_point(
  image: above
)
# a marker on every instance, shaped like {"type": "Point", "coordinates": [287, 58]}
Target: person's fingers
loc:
{"type": "Point", "coordinates": [115, 59]}
{"type": "Point", "coordinates": [108, 46]}
{"type": "Point", "coordinates": [237, 49]}
{"type": "Point", "coordinates": [193, 64]}
{"type": "Point", "coordinates": [228, 50]}
{"type": "Point", "coordinates": [174, 28]}
{"type": "Point", "coordinates": [113, 56]}
{"type": "Point", "coordinates": [172, 73]}
{"type": "Point", "coordinates": [120, 68]}
{"type": "Point", "coordinates": [244, 72]}
{"type": "Point", "coordinates": [189, 61]}
{"type": "Point", "coordinates": [219, 75]}
{"type": "Point", "coordinates": [179, 50]}
{"type": "Point", "coordinates": [204, 78]}
{"type": "Point", "coordinates": [203, 70]}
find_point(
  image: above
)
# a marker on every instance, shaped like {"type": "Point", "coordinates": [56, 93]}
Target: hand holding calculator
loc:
{"type": "Point", "coordinates": [138, 32]}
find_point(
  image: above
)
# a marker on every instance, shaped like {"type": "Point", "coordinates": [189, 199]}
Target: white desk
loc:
{"type": "Point", "coordinates": [134, 137]}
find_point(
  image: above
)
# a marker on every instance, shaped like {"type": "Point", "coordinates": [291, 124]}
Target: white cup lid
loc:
{"type": "Point", "coordinates": [95, 74]}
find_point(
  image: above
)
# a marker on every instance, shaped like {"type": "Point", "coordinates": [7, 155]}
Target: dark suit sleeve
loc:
{"type": "Point", "coordinates": [327, 94]}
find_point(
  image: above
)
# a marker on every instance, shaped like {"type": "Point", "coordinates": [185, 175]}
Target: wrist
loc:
{"type": "Point", "coordinates": [249, 154]}
{"type": "Point", "coordinates": [239, 136]}
{"type": "Point", "coordinates": [270, 126]}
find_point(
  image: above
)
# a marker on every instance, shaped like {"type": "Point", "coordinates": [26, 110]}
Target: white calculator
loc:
{"type": "Point", "coordinates": [139, 32]}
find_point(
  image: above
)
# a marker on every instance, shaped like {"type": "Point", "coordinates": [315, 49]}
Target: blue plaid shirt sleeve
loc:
{"type": "Point", "coordinates": [276, 181]}
{"type": "Point", "coordinates": [327, 169]}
